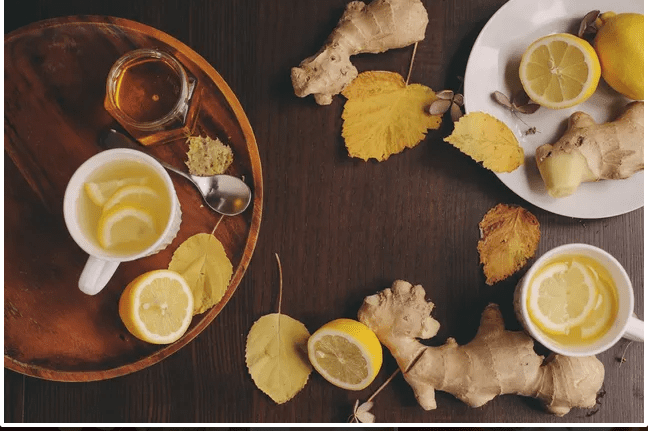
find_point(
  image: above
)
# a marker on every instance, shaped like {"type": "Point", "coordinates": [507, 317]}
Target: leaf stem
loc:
{"type": "Point", "coordinates": [217, 223]}
{"type": "Point", "coordinates": [280, 282]}
{"type": "Point", "coordinates": [409, 72]}
{"type": "Point", "coordinates": [394, 374]}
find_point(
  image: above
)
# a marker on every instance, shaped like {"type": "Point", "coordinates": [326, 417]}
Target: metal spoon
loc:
{"type": "Point", "coordinates": [224, 194]}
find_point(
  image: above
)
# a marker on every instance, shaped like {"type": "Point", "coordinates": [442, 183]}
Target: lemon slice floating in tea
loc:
{"type": "Point", "coordinates": [559, 70]}
{"type": "Point", "coordinates": [157, 306]}
{"type": "Point", "coordinates": [561, 297]}
{"type": "Point", "coordinates": [138, 195]}
{"type": "Point", "coordinates": [346, 353]}
{"type": "Point", "coordinates": [100, 192]}
{"type": "Point", "coordinates": [127, 228]}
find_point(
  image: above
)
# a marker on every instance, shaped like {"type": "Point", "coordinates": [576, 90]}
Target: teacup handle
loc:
{"type": "Point", "coordinates": [96, 274]}
{"type": "Point", "coordinates": [634, 329]}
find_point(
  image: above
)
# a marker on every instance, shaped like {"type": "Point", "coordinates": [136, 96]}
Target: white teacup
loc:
{"type": "Point", "coordinates": [625, 324]}
{"type": "Point", "coordinates": [102, 264]}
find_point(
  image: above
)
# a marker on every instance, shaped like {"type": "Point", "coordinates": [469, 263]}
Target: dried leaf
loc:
{"type": "Point", "coordinates": [488, 140]}
{"type": "Point", "coordinates": [202, 261]}
{"type": "Point", "coordinates": [529, 108]}
{"type": "Point", "coordinates": [440, 106]}
{"type": "Point", "coordinates": [362, 414]}
{"type": "Point", "coordinates": [445, 95]}
{"type": "Point", "coordinates": [510, 236]}
{"type": "Point", "coordinates": [383, 115]}
{"type": "Point", "coordinates": [520, 103]}
{"type": "Point", "coordinates": [455, 112]}
{"type": "Point", "coordinates": [520, 99]}
{"type": "Point", "coordinates": [588, 22]}
{"type": "Point", "coordinates": [502, 99]}
{"type": "Point", "coordinates": [276, 356]}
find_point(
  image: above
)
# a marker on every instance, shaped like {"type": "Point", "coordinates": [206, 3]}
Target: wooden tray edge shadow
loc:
{"type": "Point", "coordinates": [255, 222]}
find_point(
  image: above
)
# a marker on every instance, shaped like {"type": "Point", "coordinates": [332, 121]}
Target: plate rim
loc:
{"type": "Point", "coordinates": [573, 213]}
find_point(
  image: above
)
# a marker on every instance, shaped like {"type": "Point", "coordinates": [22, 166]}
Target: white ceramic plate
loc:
{"type": "Point", "coordinates": [493, 66]}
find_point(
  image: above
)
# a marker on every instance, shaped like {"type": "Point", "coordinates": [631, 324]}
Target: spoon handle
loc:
{"type": "Point", "coordinates": [177, 171]}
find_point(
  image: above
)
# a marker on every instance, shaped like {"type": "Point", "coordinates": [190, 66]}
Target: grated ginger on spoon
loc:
{"type": "Point", "coordinates": [207, 156]}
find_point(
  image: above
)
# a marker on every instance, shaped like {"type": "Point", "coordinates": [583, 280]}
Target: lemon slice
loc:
{"type": "Point", "coordinates": [126, 226]}
{"type": "Point", "coordinates": [561, 297]}
{"type": "Point", "coordinates": [346, 353]}
{"type": "Point", "coordinates": [139, 195]}
{"type": "Point", "coordinates": [559, 70]}
{"type": "Point", "coordinates": [602, 313]}
{"type": "Point", "coordinates": [157, 306]}
{"type": "Point", "coordinates": [100, 192]}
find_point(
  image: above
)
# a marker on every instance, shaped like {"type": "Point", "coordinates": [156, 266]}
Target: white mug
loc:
{"type": "Point", "coordinates": [625, 324]}
{"type": "Point", "coordinates": [102, 264]}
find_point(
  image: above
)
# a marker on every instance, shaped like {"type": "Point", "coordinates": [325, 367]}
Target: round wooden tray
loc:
{"type": "Point", "coordinates": [55, 75]}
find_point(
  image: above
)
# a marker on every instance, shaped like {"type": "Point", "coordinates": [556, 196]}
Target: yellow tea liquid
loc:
{"type": "Point", "coordinates": [605, 310]}
{"type": "Point", "coordinates": [119, 174]}
{"type": "Point", "coordinates": [148, 90]}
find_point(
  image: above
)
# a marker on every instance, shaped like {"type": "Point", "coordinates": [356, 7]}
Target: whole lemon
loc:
{"type": "Point", "coordinates": [619, 44]}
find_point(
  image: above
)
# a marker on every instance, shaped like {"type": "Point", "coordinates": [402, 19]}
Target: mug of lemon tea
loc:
{"type": "Point", "coordinates": [119, 205]}
{"type": "Point", "coordinates": [577, 300]}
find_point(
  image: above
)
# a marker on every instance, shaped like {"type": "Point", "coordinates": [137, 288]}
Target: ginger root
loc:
{"type": "Point", "coordinates": [590, 152]}
{"type": "Point", "coordinates": [373, 28]}
{"type": "Point", "coordinates": [495, 362]}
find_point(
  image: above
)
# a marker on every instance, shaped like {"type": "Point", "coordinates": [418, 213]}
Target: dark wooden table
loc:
{"type": "Point", "coordinates": [344, 229]}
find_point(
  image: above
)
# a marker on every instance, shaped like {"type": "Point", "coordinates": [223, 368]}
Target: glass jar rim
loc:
{"type": "Point", "coordinates": [136, 55]}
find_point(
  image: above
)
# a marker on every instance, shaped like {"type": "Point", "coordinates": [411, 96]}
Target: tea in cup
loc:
{"type": "Point", "coordinates": [119, 205]}
{"type": "Point", "coordinates": [577, 300]}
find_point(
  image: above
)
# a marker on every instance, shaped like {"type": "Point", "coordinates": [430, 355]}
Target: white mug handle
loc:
{"type": "Point", "coordinates": [634, 329]}
{"type": "Point", "coordinates": [96, 274]}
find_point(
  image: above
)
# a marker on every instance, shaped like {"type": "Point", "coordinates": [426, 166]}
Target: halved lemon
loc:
{"type": "Point", "coordinates": [561, 296]}
{"type": "Point", "coordinates": [346, 353]}
{"type": "Point", "coordinates": [157, 306]}
{"type": "Point", "coordinates": [559, 70]}
{"type": "Point", "coordinates": [139, 195]}
{"type": "Point", "coordinates": [126, 227]}
{"type": "Point", "coordinates": [100, 192]}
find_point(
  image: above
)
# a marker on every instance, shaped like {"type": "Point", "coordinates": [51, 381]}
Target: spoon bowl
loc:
{"type": "Point", "coordinates": [224, 194]}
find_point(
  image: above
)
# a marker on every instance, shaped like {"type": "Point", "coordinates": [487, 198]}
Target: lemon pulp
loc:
{"type": "Point", "coordinates": [157, 306]}
{"type": "Point", "coordinates": [559, 70]}
{"type": "Point", "coordinates": [346, 353]}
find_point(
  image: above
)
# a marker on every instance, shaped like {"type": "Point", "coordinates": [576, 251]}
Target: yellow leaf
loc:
{"type": "Point", "coordinates": [383, 115]}
{"type": "Point", "coordinates": [488, 140]}
{"type": "Point", "coordinates": [276, 355]}
{"type": "Point", "coordinates": [509, 237]}
{"type": "Point", "coordinates": [202, 261]}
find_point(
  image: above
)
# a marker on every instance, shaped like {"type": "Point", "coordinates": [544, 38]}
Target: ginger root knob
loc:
{"type": "Point", "coordinates": [373, 28]}
{"type": "Point", "coordinates": [590, 152]}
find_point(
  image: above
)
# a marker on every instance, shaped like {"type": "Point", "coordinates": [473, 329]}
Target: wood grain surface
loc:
{"type": "Point", "coordinates": [343, 228]}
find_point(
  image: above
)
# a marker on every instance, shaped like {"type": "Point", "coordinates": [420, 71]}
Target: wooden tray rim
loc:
{"type": "Point", "coordinates": [257, 173]}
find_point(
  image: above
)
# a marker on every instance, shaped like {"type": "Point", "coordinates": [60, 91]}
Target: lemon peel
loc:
{"type": "Point", "coordinates": [561, 297]}
{"type": "Point", "coordinates": [134, 194]}
{"type": "Point", "coordinates": [126, 224]}
{"type": "Point", "coordinates": [559, 71]}
{"type": "Point", "coordinates": [100, 192]}
{"type": "Point", "coordinates": [346, 353]}
{"type": "Point", "coordinates": [157, 307]}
